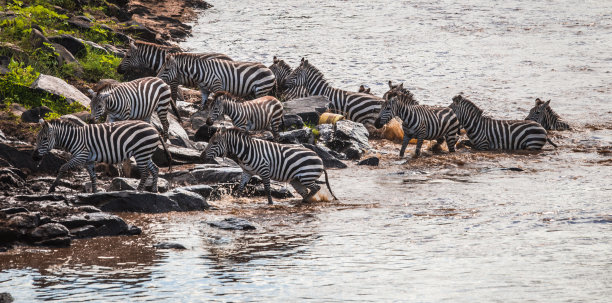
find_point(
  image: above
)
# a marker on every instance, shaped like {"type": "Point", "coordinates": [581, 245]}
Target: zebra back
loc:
{"type": "Point", "coordinates": [281, 70]}
{"type": "Point", "coordinates": [145, 55]}
{"type": "Point", "coordinates": [259, 114]}
{"type": "Point", "coordinates": [546, 116]}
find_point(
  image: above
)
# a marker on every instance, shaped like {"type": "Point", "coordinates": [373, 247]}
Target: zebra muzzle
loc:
{"type": "Point", "coordinates": [209, 122]}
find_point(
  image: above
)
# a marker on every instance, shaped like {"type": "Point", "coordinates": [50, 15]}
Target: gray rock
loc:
{"type": "Point", "coordinates": [304, 105]}
{"type": "Point", "coordinates": [83, 116]}
{"type": "Point", "coordinates": [372, 161]}
{"type": "Point", "coordinates": [292, 122]}
{"type": "Point", "coordinates": [180, 155]}
{"type": "Point", "coordinates": [88, 209]}
{"type": "Point", "coordinates": [250, 190]}
{"type": "Point", "coordinates": [205, 173]}
{"type": "Point", "coordinates": [105, 225]}
{"type": "Point", "coordinates": [326, 132]}
{"type": "Point", "coordinates": [9, 179]}
{"type": "Point", "coordinates": [186, 109]}
{"type": "Point", "coordinates": [6, 297]}
{"type": "Point", "coordinates": [178, 135]}
{"type": "Point", "coordinates": [232, 224]}
{"type": "Point", "coordinates": [353, 131]}
{"type": "Point", "coordinates": [24, 220]}
{"type": "Point", "coordinates": [167, 245]}
{"type": "Point", "coordinates": [85, 231]}
{"type": "Point", "coordinates": [187, 200]}
{"type": "Point", "coordinates": [121, 14]}
{"type": "Point", "coordinates": [140, 31]}
{"type": "Point", "coordinates": [118, 184]}
{"type": "Point", "coordinates": [80, 22]}
{"type": "Point", "coordinates": [59, 87]}
{"type": "Point", "coordinates": [49, 230]}
{"type": "Point", "coordinates": [55, 242]}
{"type": "Point", "coordinates": [33, 115]}
{"type": "Point", "coordinates": [134, 230]}
{"type": "Point", "coordinates": [74, 45]}
{"type": "Point", "coordinates": [114, 50]}
{"type": "Point", "coordinates": [329, 161]}
{"type": "Point", "coordinates": [132, 201]}
{"type": "Point", "coordinates": [202, 190]}
{"type": "Point", "coordinates": [14, 210]}
{"type": "Point", "coordinates": [297, 136]}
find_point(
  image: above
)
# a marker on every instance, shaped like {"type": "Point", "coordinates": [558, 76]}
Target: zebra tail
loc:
{"type": "Point", "coordinates": [551, 143]}
{"type": "Point", "coordinates": [168, 155]}
{"type": "Point", "coordinates": [173, 104]}
{"type": "Point", "coordinates": [328, 187]}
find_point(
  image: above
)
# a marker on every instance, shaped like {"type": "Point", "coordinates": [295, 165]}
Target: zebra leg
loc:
{"type": "Point", "coordinates": [205, 92]}
{"type": "Point", "coordinates": [91, 169]}
{"type": "Point", "coordinates": [313, 190]}
{"type": "Point", "coordinates": [417, 152]}
{"type": "Point", "coordinates": [143, 167]}
{"type": "Point", "coordinates": [154, 172]}
{"type": "Point", "coordinates": [301, 189]}
{"type": "Point", "coordinates": [265, 176]}
{"type": "Point", "coordinates": [404, 144]}
{"type": "Point", "coordinates": [163, 118]}
{"type": "Point", "coordinates": [77, 161]}
{"type": "Point", "coordinates": [451, 141]}
{"type": "Point", "coordinates": [246, 177]}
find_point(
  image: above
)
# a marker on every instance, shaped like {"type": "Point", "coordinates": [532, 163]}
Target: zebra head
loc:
{"type": "Point", "coordinates": [387, 111]}
{"type": "Point", "coordinates": [45, 140]}
{"type": "Point", "coordinates": [169, 71]}
{"type": "Point", "coordinates": [280, 69]}
{"type": "Point", "coordinates": [362, 89]}
{"type": "Point", "coordinates": [538, 111]}
{"type": "Point", "coordinates": [217, 145]}
{"type": "Point", "coordinates": [299, 76]}
{"type": "Point", "coordinates": [398, 88]}
{"type": "Point", "coordinates": [465, 110]}
{"type": "Point", "coordinates": [132, 60]}
{"type": "Point", "coordinates": [98, 104]}
{"type": "Point", "coordinates": [217, 106]}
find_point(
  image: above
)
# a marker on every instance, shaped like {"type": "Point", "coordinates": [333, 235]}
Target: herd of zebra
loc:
{"type": "Point", "coordinates": [249, 94]}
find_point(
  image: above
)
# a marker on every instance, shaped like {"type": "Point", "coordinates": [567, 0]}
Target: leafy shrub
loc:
{"type": "Point", "coordinates": [98, 66]}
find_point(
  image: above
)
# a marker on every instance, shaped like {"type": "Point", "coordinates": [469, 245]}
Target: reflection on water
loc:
{"type": "Point", "coordinates": [468, 226]}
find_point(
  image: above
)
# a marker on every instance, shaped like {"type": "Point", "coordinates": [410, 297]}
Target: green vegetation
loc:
{"type": "Point", "coordinates": [100, 66]}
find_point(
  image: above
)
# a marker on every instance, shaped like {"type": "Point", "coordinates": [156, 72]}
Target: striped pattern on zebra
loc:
{"type": "Point", "coordinates": [299, 166]}
{"type": "Point", "coordinates": [546, 116]}
{"type": "Point", "coordinates": [486, 133]}
{"type": "Point", "coordinates": [421, 122]}
{"type": "Point", "coordinates": [358, 107]}
{"type": "Point", "coordinates": [265, 113]}
{"type": "Point", "coordinates": [243, 79]}
{"type": "Point", "coordinates": [134, 100]}
{"type": "Point", "coordinates": [281, 70]}
{"type": "Point", "coordinates": [108, 142]}
{"type": "Point", "coordinates": [398, 88]}
{"type": "Point", "coordinates": [150, 56]}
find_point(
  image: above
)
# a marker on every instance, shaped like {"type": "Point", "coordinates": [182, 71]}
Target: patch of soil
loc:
{"type": "Point", "coordinates": [12, 126]}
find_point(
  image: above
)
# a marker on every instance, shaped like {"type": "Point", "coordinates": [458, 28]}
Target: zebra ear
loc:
{"type": "Point", "coordinates": [547, 103]}
{"type": "Point", "coordinates": [538, 101]}
{"type": "Point", "coordinates": [133, 45]}
{"type": "Point", "coordinates": [91, 92]}
{"type": "Point", "coordinates": [274, 60]}
{"type": "Point", "coordinates": [400, 86]}
{"type": "Point", "coordinates": [303, 59]}
{"type": "Point", "coordinates": [390, 84]}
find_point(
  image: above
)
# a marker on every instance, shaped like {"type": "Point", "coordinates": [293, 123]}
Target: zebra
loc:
{"type": "Point", "coordinates": [108, 142]}
{"type": "Point", "coordinates": [300, 166]}
{"type": "Point", "coordinates": [259, 114]}
{"type": "Point", "coordinates": [364, 90]}
{"type": "Point", "coordinates": [486, 133]}
{"type": "Point", "coordinates": [281, 70]}
{"type": "Point", "coordinates": [398, 88]}
{"type": "Point", "coordinates": [134, 100]}
{"type": "Point", "coordinates": [242, 79]}
{"type": "Point", "coordinates": [150, 56]}
{"type": "Point", "coordinates": [420, 121]}
{"type": "Point", "coordinates": [358, 107]}
{"type": "Point", "coordinates": [546, 116]}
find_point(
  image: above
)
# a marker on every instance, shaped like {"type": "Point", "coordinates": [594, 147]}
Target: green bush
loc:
{"type": "Point", "coordinates": [100, 66]}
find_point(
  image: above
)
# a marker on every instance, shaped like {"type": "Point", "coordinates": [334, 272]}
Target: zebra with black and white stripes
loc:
{"type": "Point", "coordinates": [364, 90]}
{"type": "Point", "coordinates": [108, 142]}
{"type": "Point", "coordinates": [421, 122]}
{"type": "Point", "coordinates": [546, 116]}
{"type": "Point", "coordinates": [281, 70]}
{"type": "Point", "coordinates": [265, 113]}
{"type": "Point", "coordinates": [402, 93]}
{"type": "Point", "coordinates": [150, 56]}
{"type": "Point", "coordinates": [486, 133]}
{"type": "Point", "coordinates": [299, 166]}
{"type": "Point", "coordinates": [135, 100]}
{"type": "Point", "coordinates": [358, 107]}
{"type": "Point", "coordinates": [243, 79]}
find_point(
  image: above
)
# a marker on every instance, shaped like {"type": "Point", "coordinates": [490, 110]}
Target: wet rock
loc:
{"type": "Point", "coordinates": [297, 136]}
{"type": "Point", "coordinates": [232, 224]}
{"type": "Point", "coordinates": [168, 245]}
{"type": "Point", "coordinates": [8, 235]}
{"type": "Point", "coordinates": [205, 132]}
{"type": "Point", "coordinates": [329, 161]}
{"type": "Point", "coordinates": [6, 297]}
{"type": "Point", "coordinates": [55, 242]}
{"type": "Point", "coordinates": [105, 224]}
{"type": "Point", "coordinates": [86, 231]}
{"type": "Point", "coordinates": [132, 201]}
{"type": "Point", "coordinates": [10, 179]}
{"type": "Point", "coordinates": [14, 210]}
{"type": "Point", "coordinates": [47, 197]}
{"type": "Point", "coordinates": [49, 230]}
{"type": "Point", "coordinates": [35, 114]}
{"type": "Point", "coordinates": [180, 155]}
{"type": "Point", "coordinates": [292, 122]}
{"type": "Point", "coordinates": [353, 131]}
{"type": "Point", "coordinates": [74, 45]}
{"type": "Point", "coordinates": [372, 161]}
{"type": "Point", "coordinates": [187, 200]}
{"type": "Point", "coordinates": [205, 173]}
{"type": "Point", "coordinates": [250, 190]}
{"type": "Point", "coordinates": [202, 190]}
{"type": "Point", "coordinates": [119, 184]}
{"type": "Point", "coordinates": [134, 230]}
{"type": "Point", "coordinates": [121, 14]}
{"type": "Point", "coordinates": [178, 135]}
{"type": "Point", "coordinates": [88, 209]}
{"type": "Point", "coordinates": [24, 220]}
{"type": "Point", "coordinates": [59, 87]}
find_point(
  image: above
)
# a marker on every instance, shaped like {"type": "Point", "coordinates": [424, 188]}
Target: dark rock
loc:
{"type": "Point", "coordinates": [35, 114]}
{"type": "Point", "coordinates": [8, 235]}
{"type": "Point", "coordinates": [9, 179]}
{"type": "Point", "coordinates": [187, 200]}
{"type": "Point", "coordinates": [137, 9]}
{"type": "Point", "coordinates": [55, 242]}
{"type": "Point", "coordinates": [353, 131]}
{"type": "Point", "coordinates": [353, 153]}
{"type": "Point", "coordinates": [167, 245]}
{"type": "Point", "coordinates": [232, 224]}
{"type": "Point", "coordinates": [250, 190]}
{"type": "Point", "coordinates": [121, 3]}
{"type": "Point", "coordinates": [49, 230]}
{"type": "Point", "coordinates": [47, 197]}
{"type": "Point", "coordinates": [5, 297]}
{"type": "Point", "coordinates": [104, 223]}
{"type": "Point", "coordinates": [85, 231]}
{"type": "Point", "coordinates": [80, 22]}
{"type": "Point", "coordinates": [14, 210]}
{"type": "Point", "coordinates": [134, 230]}
{"type": "Point", "coordinates": [121, 14]}
{"type": "Point", "coordinates": [206, 173]}
{"type": "Point", "coordinates": [114, 50]}
{"type": "Point", "coordinates": [202, 190]}
{"type": "Point", "coordinates": [200, 4]}
{"type": "Point", "coordinates": [118, 184]}
{"type": "Point", "coordinates": [133, 201]}
{"type": "Point", "coordinates": [372, 161]}
{"type": "Point", "coordinates": [329, 161]}
{"type": "Point", "coordinates": [204, 133]}
{"type": "Point", "coordinates": [37, 39]}
{"type": "Point", "coordinates": [88, 209]}
{"type": "Point", "coordinates": [180, 155]}
{"type": "Point", "coordinates": [59, 87]}
{"type": "Point", "coordinates": [12, 51]}
{"type": "Point", "coordinates": [74, 45]}
{"type": "Point", "coordinates": [139, 30]}
{"type": "Point", "coordinates": [298, 136]}
{"type": "Point", "coordinates": [292, 122]}
{"type": "Point", "coordinates": [178, 135]}
{"type": "Point", "coordinates": [310, 118]}
{"type": "Point", "coordinates": [24, 220]}
{"type": "Point", "coordinates": [82, 115]}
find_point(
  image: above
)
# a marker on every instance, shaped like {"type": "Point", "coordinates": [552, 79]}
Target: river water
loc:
{"type": "Point", "coordinates": [471, 226]}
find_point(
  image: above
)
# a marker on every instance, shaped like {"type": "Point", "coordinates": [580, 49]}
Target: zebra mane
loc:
{"type": "Point", "coordinates": [311, 69]}
{"type": "Point", "coordinates": [170, 48]}
{"type": "Point", "coordinates": [105, 84]}
{"type": "Point", "coordinates": [281, 64]}
{"type": "Point", "coordinates": [404, 96]}
{"type": "Point", "coordinates": [229, 95]}
{"type": "Point", "coordinates": [70, 121]}
{"type": "Point", "coordinates": [469, 105]}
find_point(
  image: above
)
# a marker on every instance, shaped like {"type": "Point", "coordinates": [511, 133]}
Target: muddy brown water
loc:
{"type": "Point", "coordinates": [469, 226]}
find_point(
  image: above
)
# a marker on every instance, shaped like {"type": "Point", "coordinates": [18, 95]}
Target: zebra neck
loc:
{"type": "Point", "coordinates": [239, 146]}
{"type": "Point", "coordinates": [158, 59]}
{"type": "Point", "coordinates": [233, 110]}
{"type": "Point", "coordinates": [474, 124]}
{"type": "Point", "coordinates": [320, 87]}
{"type": "Point", "coordinates": [70, 138]}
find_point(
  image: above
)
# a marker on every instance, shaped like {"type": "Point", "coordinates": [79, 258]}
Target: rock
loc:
{"type": "Point", "coordinates": [134, 230]}
{"type": "Point", "coordinates": [35, 114]}
{"type": "Point", "coordinates": [37, 39]}
{"type": "Point", "coordinates": [353, 131]}
{"type": "Point", "coordinates": [21, 157]}
{"type": "Point", "coordinates": [140, 31]}
{"type": "Point", "coordinates": [118, 184]}
{"type": "Point", "coordinates": [55, 242]}
{"type": "Point", "coordinates": [2, 136]}
{"type": "Point", "coordinates": [206, 173]}
{"type": "Point", "coordinates": [204, 133]}
{"type": "Point", "coordinates": [59, 87]}
{"type": "Point", "coordinates": [10, 180]}
{"type": "Point", "coordinates": [292, 122]}
{"type": "Point", "coordinates": [8, 235]}
{"type": "Point", "coordinates": [186, 109]}
{"type": "Point", "coordinates": [6, 297]}
{"type": "Point", "coordinates": [74, 45]}
{"type": "Point", "coordinates": [180, 155]}
{"type": "Point", "coordinates": [121, 14]}
{"type": "Point", "coordinates": [232, 224]}
{"type": "Point", "coordinates": [329, 161]}
{"type": "Point", "coordinates": [49, 230]}
{"type": "Point", "coordinates": [24, 220]}
{"type": "Point", "coordinates": [85, 231]}
{"type": "Point", "coordinates": [105, 224]}
{"type": "Point", "coordinates": [36, 198]}
{"type": "Point", "coordinates": [372, 161]}
{"type": "Point", "coordinates": [84, 116]}
{"type": "Point", "coordinates": [132, 201]}
{"type": "Point", "coordinates": [304, 105]}
{"type": "Point", "coordinates": [250, 190]}
{"type": "Point", "coordinates": [114, 50]}
{"type": "Point", "coordinates": [167, 245]}
{"type": "Point", "coordinates": [80, 22]}
{"type": "Point", "coordinates": [297, 136]}
{"type": "Point", "coordinates": [17, 110]}
{"type": "Point", "coordinates": [97, 47]}
{"type": "Point", "coordinates": [14, 210]}
{"type": "Point", "coordinates": [88, 209]}
{"type": "Point", "coordinates": [178, 135]}
{"type": "Point", "coordinates": [353, 153]}
{"type": "Point", "coordinates": [203, 190]}
{"type": "Point", "coordinates": [326, 132]}
{"type": "Point", "coordinates": [12, 51]}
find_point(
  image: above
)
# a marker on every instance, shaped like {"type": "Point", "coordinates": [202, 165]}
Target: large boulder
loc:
{"type": "Point", "coordinates": [232, 224]}
{"type": "Point", "coordinates": [298, 136]}
{"type": "Point", "coordinates": [59, 87]}
{"type": "Point", "coordinates": [48, 231]}
{"type": "Point", "coordinates": [178, 135]}
{"type": "Point", "coordinates": [206, 173]}
{"type": "Point", "coordinates": [353, 131]}
{"type": "Point", "coordinates": [205, 132]}
{"type": "Point", "coordinates": [33, 115]}
{"type": "Point", "coordinates": [132, 201]}
{"type": "Point", "coordinates": [21, 157]}
{"type": "Point", "coordinates": [74, 45]}
{"type": "Point", "coordinates": [140, 31]}
{"type": "Point", "coordinates": [180, 155]}
{"type": "Point", "coordinates": [308, 108]}
{"type": "Point", "coordinates": [119, 184]}
{"type": "Point", "coordinates": [329, 161]}
{"type": "Point", "coordinates": [291, 122]}
{"type": "Point", "coordinates": [95, 224]}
